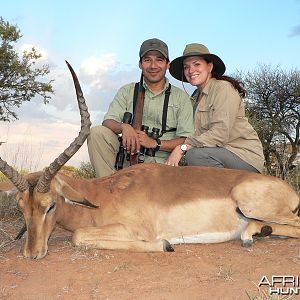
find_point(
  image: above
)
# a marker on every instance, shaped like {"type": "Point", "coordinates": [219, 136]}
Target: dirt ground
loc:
{"type": "Point", "coordinates": [207, 271]}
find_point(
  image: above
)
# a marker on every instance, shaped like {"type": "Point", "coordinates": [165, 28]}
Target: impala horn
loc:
{"type": "Point", "coordinates": [16, 178]}
{"type": "Point", "coordinates": [43, 185]}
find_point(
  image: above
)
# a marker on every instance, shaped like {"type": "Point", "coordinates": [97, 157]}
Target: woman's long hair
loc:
{"type": "Point", "coordinates": [238, 85]}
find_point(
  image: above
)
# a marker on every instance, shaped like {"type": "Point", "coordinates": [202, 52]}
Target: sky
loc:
{"type": "Point", "coordinates": [101, 40]}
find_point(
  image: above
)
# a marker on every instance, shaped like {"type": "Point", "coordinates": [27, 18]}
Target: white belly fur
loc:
{"type": "Point", "coordinates": [213, 221]}
{"type": "Point", "coordinates": [211, 237]}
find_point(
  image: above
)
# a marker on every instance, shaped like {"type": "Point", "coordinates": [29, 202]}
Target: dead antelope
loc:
{"type": "Point", "coordinates": [149, 207]}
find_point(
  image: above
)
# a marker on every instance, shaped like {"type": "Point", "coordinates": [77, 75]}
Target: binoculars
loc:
{"type": "Point", "coordinates": [154, 134]}
{"type": "Point", "coordinates": [148, 151]}
{"type": "Point", "coordinates": [141, 157]}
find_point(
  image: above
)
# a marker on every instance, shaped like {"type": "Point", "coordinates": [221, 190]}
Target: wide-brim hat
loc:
{"type": "Point", "coordinates": [176, 65]}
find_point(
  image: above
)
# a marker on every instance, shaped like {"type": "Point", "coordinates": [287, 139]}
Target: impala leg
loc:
{"type": "Point", "coordinates": [254, 227]}
{"type": "Point", "coordinates": [116, 237]}
{"type": "Point", "coordinates": [266, 229]}
{"type": "Point", "coordinates": [135, 246]}
{"type": "Point", "coordinates": [285, 230]}
{"type": "Point", "coordinates": [279, 214]}
{"type": "Point", "coordinates": [267, 199]}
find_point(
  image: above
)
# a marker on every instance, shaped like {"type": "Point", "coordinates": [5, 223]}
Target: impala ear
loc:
{"type": "Point", "coordinates": [6, 186]}
{"type": "Point", "coordinates": [70, 194]}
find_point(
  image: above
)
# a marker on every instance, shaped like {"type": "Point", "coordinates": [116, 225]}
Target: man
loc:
{"type": "Point", "coordinates": [103, 142]}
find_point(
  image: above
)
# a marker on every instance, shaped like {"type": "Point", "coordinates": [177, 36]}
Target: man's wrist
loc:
{"type": "Point", "coordinates": [158, 144]}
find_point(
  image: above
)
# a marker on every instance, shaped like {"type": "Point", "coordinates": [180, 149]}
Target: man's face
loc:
{"type": "Point", "coordinates": [154, 66]}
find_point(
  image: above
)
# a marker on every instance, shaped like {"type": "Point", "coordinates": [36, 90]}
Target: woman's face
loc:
{"type": "Point", "coordinates": [197, 71]}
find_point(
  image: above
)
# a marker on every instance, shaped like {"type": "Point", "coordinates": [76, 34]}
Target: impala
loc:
{"type": "Point", "coordinates": [150, 207]}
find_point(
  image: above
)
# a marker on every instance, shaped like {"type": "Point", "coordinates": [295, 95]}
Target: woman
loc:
{"type": "Point", "coordinates": [223, 136]}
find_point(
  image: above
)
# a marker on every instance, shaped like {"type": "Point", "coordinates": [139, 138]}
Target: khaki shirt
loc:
{"type": "Point", "coordinates": [220, 122]}
{"type": "Point", "coordinates": [180, 111]}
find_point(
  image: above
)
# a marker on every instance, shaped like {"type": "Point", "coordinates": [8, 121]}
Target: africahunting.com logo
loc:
{"type": "Point", "coordinates": [281, 284]}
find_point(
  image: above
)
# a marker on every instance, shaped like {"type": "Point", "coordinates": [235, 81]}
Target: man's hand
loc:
{"type": "Point", "coordinates": [130, 139]}
{"type": "Point", "coordinates": [145, 140]}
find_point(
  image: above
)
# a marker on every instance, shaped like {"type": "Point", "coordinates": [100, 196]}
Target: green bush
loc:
{"type": "Point", "coordinates": [86, 170]}
{"type": "Point", "coordinates": [2, 177]}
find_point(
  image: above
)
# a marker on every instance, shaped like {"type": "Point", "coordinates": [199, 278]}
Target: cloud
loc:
{"type": "Point", "coordinates": [43, 131]}
{"type": "Point", "coordinates": [295, 31]}
{"type": "Point", "coordinates": [35, 110]}
{"type": "Point", "coordinates": [100, 78]}
{"type": "Point", "coordinates": [60, 103]}
{"type": "Point", "coordinates": [63, 86]}
{"type": "Point", "coordinates": [100, 98]}
{"type": "Point", "coordinates": [33, 146]}
{"type": "Point", "coordinates": [93, 69]}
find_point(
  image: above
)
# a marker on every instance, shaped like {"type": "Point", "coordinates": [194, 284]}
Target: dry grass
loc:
{"type": "Point", "coordinates": [293, 178]}
{"type": "Point", "coordinates": [225, 272]}
{"type": "Point", "coordinates": [11, 220]}
{"type": "Point", "coordinates": [9, 205]}
{"type": "Point", "coordinates": [83, 252]}
{"type": "Point", "coordinates": [9, 228]}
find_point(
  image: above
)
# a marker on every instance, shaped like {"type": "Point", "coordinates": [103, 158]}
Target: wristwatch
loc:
{"type": "Point", "coordinates": [183, 148]}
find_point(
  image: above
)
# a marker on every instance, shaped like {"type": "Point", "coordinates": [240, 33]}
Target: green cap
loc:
{"type": "Point", "coordinates": [154, 45]}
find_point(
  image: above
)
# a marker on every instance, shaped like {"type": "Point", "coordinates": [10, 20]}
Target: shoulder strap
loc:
{"type": "Point", "coordinates": [194, 92]}
{"type": "Point", "coordinates": [135, 95]}
{"type": "Point", "coordinates": [165, 110]}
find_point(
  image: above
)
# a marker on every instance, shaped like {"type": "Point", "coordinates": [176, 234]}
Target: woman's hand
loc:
{"type": "Point", "coordinates": [174, 157]}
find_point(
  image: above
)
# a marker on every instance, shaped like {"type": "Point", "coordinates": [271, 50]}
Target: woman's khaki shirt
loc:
{"type": "Point", "coordinates": [220, 122]}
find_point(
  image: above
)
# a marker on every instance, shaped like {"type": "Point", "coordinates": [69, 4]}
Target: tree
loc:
{"type": "Point", "coordinates": [19, 77]}
{"type": "Point", "coordinates": [274, 107]}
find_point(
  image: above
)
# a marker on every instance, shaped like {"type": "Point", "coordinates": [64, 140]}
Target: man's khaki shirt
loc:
{"type": "Point", "coordinates": [220, 122]}
{"type": "Point", "coordinates": [179, 116]}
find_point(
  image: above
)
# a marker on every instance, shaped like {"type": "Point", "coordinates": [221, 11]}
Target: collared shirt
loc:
{"type": "Point", "coordinates": [220, 122]}
{"type": "Point", "coordinates": [180, 111]}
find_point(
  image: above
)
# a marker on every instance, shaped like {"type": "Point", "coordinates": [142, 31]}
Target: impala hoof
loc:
{"type": "Point", "coordinates": [247, 243]}
{"type": "Point", "coordinates": [266, 230]}
{"type": "Point", "coordinates": [167, 246]}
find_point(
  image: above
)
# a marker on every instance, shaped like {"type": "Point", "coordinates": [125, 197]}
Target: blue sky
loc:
{"type": "Point", "coordinates": [101, 40]}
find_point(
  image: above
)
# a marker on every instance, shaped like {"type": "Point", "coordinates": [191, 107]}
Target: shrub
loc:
{"type": "Point", "coordinates": [86, 170]}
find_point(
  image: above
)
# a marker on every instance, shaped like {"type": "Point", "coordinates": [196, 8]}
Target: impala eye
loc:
{"type": "Point", "coordinates": [51, 207]}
